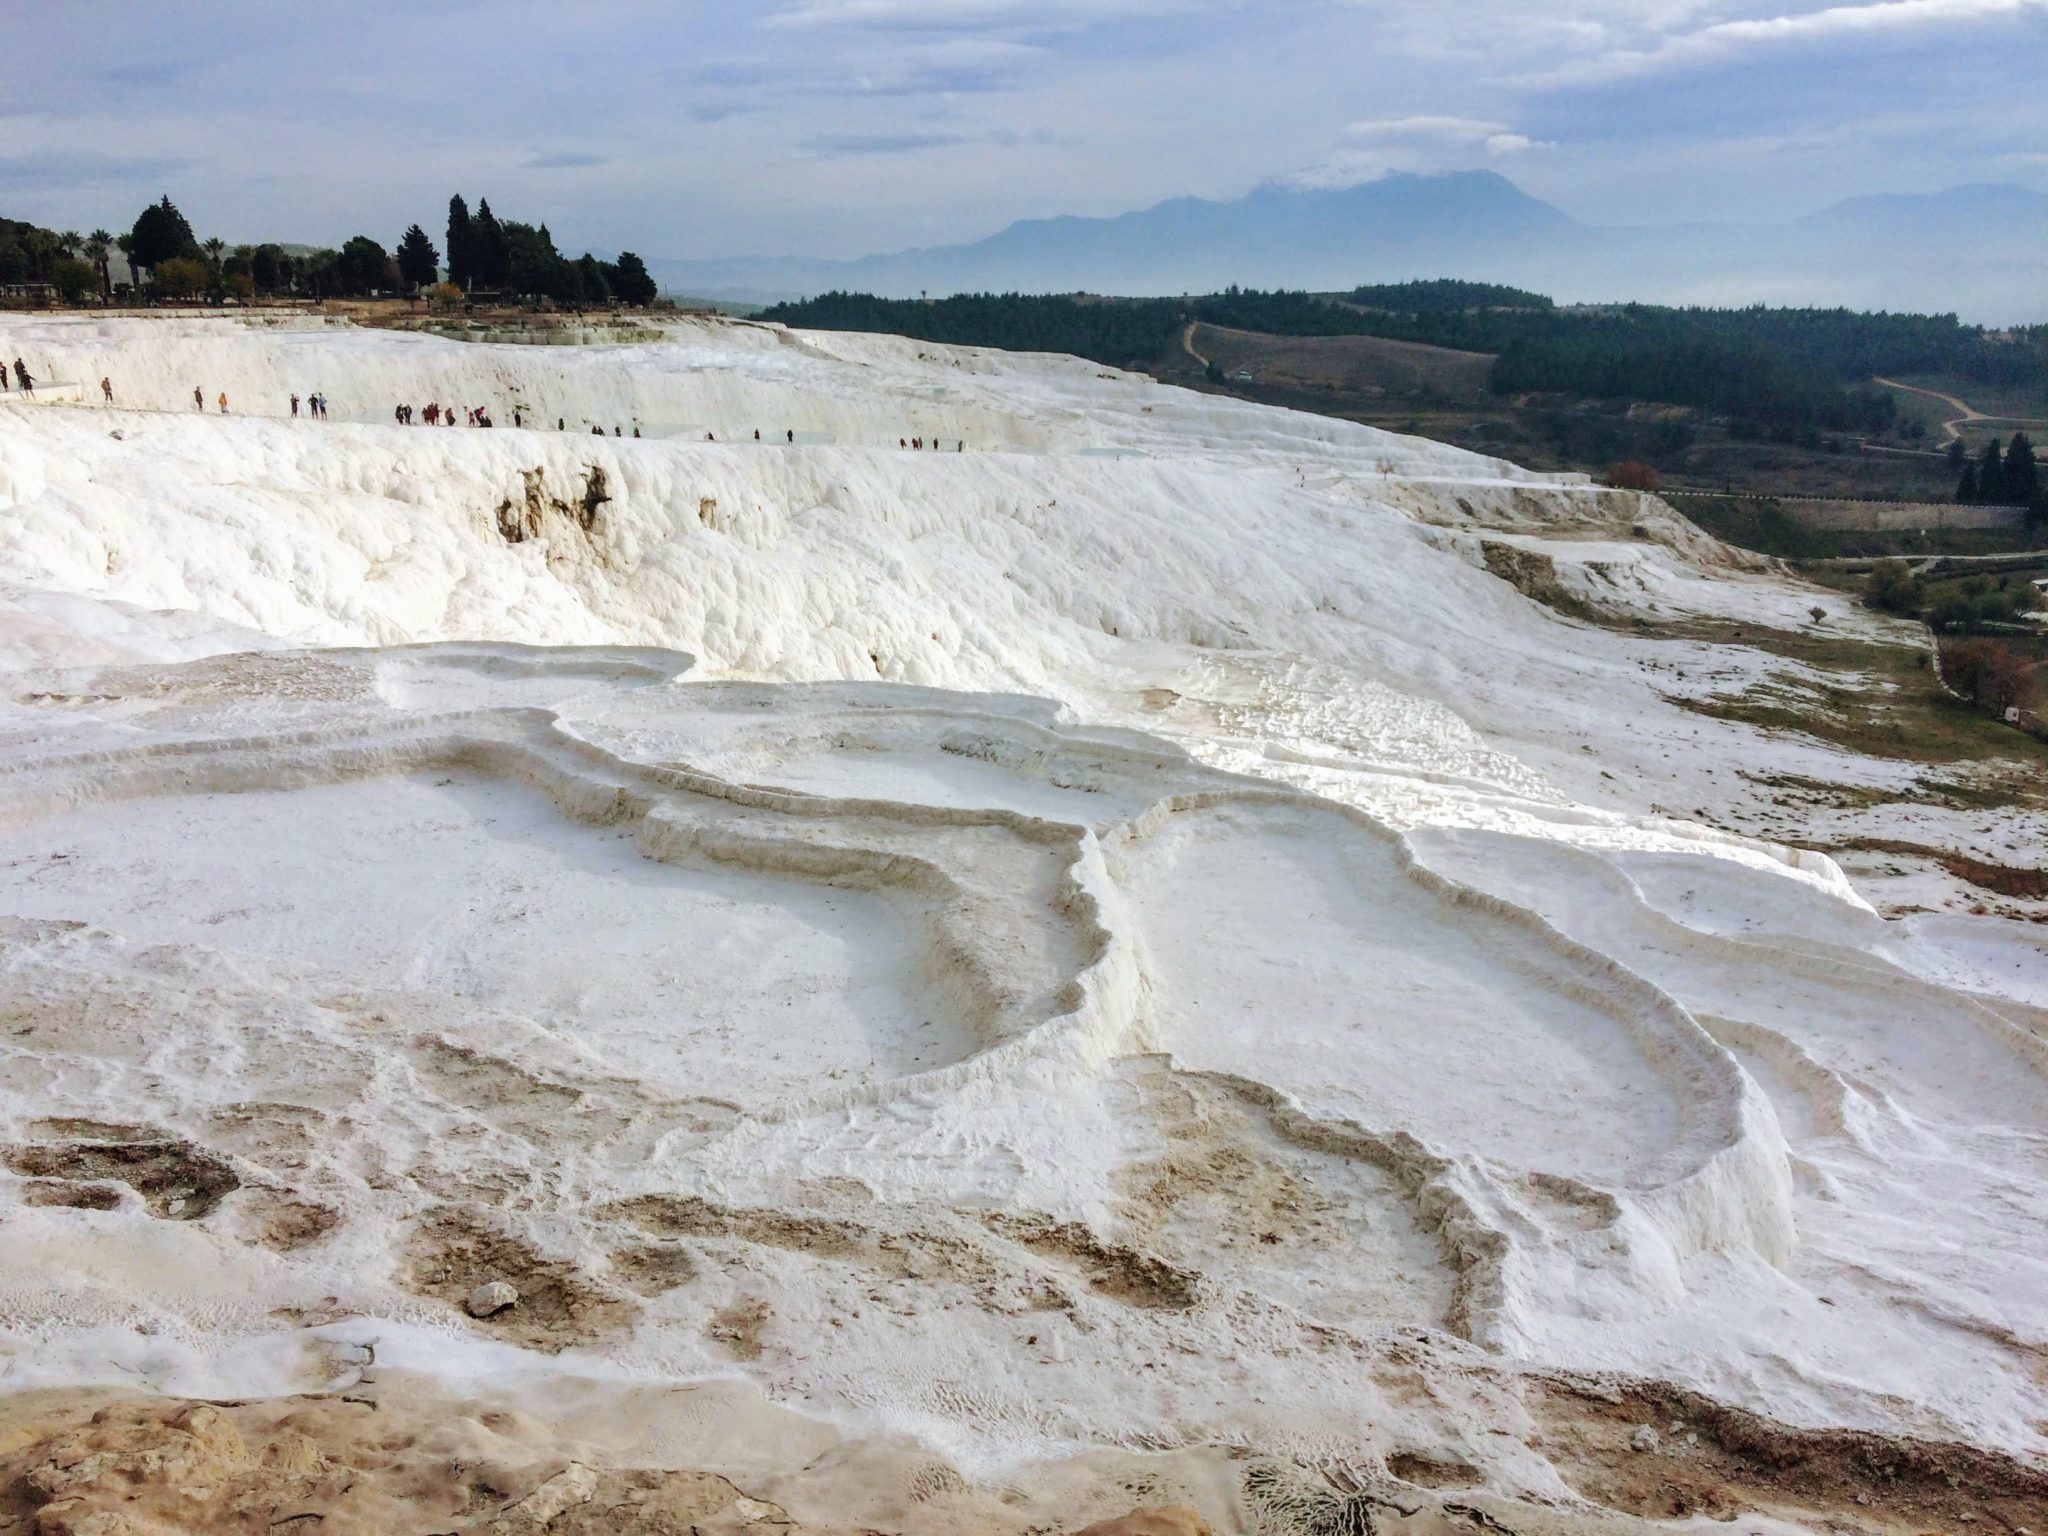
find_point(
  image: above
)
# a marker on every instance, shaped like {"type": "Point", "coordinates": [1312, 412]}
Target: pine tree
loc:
{"type": "Point", "coordinates": [461, 243]}
{"type": "Point", "coordinates": [160, 234]}
{"type": "Point", "coordinates": [629, 279]}
{"type": "Point", "coordinates": [2022, 474]}
{"type": "Point", "coordinates": [362, 267]}
{"type": "Point", "coordinates": [1991, 474]}
{"type": "Point", "coordinates": [593, 281]}
{"type": "Point", "coordinates": [418, 261]}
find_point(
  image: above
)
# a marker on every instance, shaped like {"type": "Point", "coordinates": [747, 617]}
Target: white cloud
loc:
{"type": "Point", "coordinates": [977, 15]}
{"type": "Point", "coordinates": [1724, 39]}
{"type": "Point", "coordinates": [1455, 130]}
{"type": "Point", "coordinates": [1422, 142]}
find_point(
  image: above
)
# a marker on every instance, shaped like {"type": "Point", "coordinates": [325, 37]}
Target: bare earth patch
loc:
{"type": "Point", "coordinates": [452, 1252]}
{"type": "Point", "coordinates": [1657, 1451]}
{"type": "Point", "coordinates": [177, 1180]}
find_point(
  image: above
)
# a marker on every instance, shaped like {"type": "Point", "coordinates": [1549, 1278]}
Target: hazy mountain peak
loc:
{"type": "Point", "coordinates": [1974, 247]}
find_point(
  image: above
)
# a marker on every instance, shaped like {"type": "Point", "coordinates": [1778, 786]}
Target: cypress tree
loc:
{"type": "Point", "coordinates": [461, 243]}
{"type": "Point", "coordinates": [1966, 488]}
{"type": "Point", "coordinates": [1991, 474]}
{"type": "Point", "coordinates": [490, 255]}
{"type": "Point", "coordinates": [2022, 474]}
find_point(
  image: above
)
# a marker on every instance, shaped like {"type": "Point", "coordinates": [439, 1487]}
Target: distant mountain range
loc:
{"type": "Point", "coordinates": [1981, 251]}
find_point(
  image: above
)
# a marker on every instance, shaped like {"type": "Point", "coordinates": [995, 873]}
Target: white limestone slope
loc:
{"type": "Point", "coordinates": [1111, 935]}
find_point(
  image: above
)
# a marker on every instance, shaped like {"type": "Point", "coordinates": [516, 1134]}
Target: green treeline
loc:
{"type": "Point", "coordinates": [1790, 368]}
{"type": "Point", "coordinates": [1675, 356]}
{"type": "Point", "coordinates": [509, 257]}
{"type": "Point", "coordinates": [1446, 295]}
{"type": "Point", "coordinates": [2007, 477]}
{"type": "Point", "coordinates": [1112, 331]}
{"type": "Point", "coordinates": [167, 261]}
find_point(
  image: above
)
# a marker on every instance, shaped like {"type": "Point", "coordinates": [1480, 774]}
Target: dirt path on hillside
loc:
{"type": "Point", "coordinates": [1969, 412]}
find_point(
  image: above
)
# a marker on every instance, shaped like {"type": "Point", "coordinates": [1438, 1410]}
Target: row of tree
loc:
{"type": "Point", "coordinates": [1999, 478]}
{"type": "Point", "coordinates": [486, 255]}
{"type": "Point", "coordinates": [166, 260]}
{"type": "Point", "coordinates": [74, 264]}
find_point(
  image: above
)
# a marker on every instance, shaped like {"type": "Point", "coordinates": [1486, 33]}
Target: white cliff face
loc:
{"type": "Point", "coordinates": [1127, 933]}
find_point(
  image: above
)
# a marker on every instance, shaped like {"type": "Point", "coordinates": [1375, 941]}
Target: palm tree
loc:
{"type": "Point", "coordinates": [99, 245]}
{"type": "Point", "coordinates": [213, 248]}
{"type": "Point", "coordinates": [125, 243]}
{"type": "Point", "coordinates": [71, 240]}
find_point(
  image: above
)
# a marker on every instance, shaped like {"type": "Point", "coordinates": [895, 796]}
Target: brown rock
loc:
{"type": "Point", "coordinates": [1168, 1520]}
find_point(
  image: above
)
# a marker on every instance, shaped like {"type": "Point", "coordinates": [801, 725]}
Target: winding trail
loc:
{"type": "Point", "coordinates": [1969, 412]}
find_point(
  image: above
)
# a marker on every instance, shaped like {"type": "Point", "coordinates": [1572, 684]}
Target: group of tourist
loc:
{"type": "Point", "coordinates": [438, 415]}
{"type": "Point", "coordinates": [434, 414]}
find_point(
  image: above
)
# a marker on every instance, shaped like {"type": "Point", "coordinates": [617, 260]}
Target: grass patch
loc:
{"type": "Point", "coordinates": [2011, 880]}
{"type": "Point", "coordinates": [1880, 700]}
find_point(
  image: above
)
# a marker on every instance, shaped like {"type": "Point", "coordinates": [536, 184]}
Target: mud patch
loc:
{"type": "Point", "coordinates": [689, 1216]}
{"type": "Point", "coordinates": [2014, 880]}
{"type": "Point", "coordinates": [81, 1464]}
{"type": "Point", "coordinates": [476, 1080]}
{"type": "Point", "coordinates": [1332, 1504]}
{"type": "Point", "coordinates": [1427, 1471]}
{"type": "Point", "coordinates": [278, 1221]}
{"type": "Point", "coordinates": [1534, 575]}
{"type": "Point", "coordinates": [75, 1128]}
{"type": "Point", "coordinates": [77, 1197]}
{"type": "Point", "coordinates": [739, 1327]}
{"type": "Point", "coordinates": [177, 1180]}
{"type": "Point", "coordinates": [907, 1256]}
{"type": "Point", "coordinates": [278, 1134]}
{"type": "Point", "coordinates": [1212, 1159]}
{"type": "Point", "coordinates": [653, 1269]}
{"type": "Point", "coordinates": [1112, 1270]}
{"type": "Point", "coordinates": [1705, 1459]}
{"type": "Point", "coordinates": [452, 1252]}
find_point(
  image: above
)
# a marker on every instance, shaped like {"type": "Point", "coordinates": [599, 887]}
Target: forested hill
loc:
{"type": "Point", "coordinates": [1116, 331]}
{"type": "Point", "coordinates": [1805, 367]}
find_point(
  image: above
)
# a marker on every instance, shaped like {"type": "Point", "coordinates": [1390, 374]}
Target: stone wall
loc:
{"type": "Point", "coordinates": [1877, 516]}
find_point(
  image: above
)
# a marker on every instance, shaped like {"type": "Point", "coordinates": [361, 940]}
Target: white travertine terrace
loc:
{"type": "Point", "coordinates": [1140, 885]}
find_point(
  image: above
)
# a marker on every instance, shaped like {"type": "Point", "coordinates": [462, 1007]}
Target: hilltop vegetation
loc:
{"type": "Point", "coordinates": [1446, 296]}
{"type": "Point", "coordinates": [166, 261]}
{"type": "Point", "coordinates": [1790, 368]}
{"type": "Point", "coordinates": [1119, 333]}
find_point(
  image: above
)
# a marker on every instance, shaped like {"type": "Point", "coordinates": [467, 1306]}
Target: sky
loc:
{"type": "Point", "coordinates": [839, 128]}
